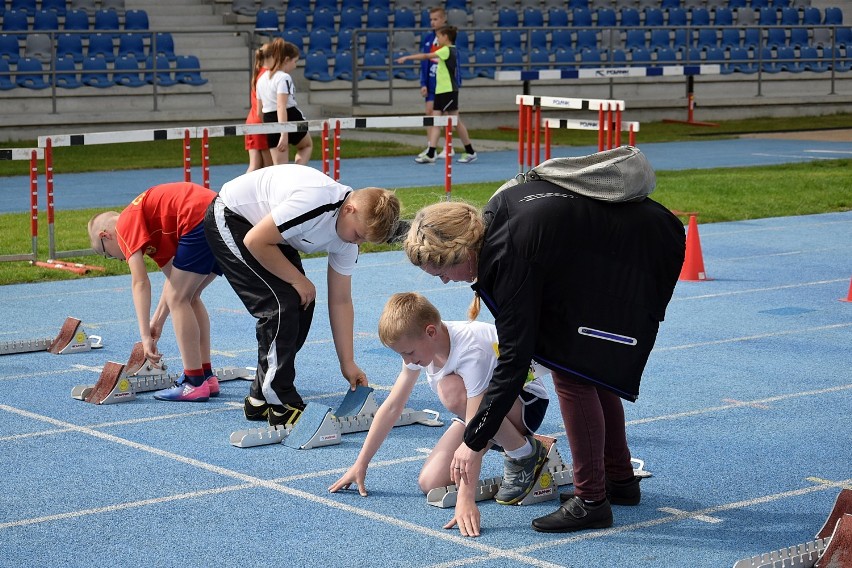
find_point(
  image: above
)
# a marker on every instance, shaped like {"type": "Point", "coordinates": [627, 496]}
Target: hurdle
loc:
{"type": "Point", "coordinates": [332, 136]}
{"type": "Point", "coordinates": [33, 155]}
{"type": "Point", "coordinates": [72, 338]}
{"type": "Point", "coordinates": [119, 383]}
{"type": "Point", "coordinates": [631, 127]}
{"type": "Point", "coordinates": [321, 426]}
{"type": "Point", "coordinates": [529, 123]}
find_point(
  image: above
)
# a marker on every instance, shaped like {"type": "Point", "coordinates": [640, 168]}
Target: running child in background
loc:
{"type": "Point", "coordinates": [459, 358]}
{"type": "Point", "coordinates": [166, 223]}
{"type": "Point", "coordinates": [257, 145]}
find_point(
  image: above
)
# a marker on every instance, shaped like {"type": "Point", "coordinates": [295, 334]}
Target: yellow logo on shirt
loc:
{"type": "Point", "coordinates": [139, 198]}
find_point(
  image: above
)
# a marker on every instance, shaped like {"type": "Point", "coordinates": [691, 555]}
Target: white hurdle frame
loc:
{"type": "Point", "coordinates": [529, 122]}
{"type": "Point", "coordinates": [631, 127]}
{"type": "Point", "coordinates": [33, 155]}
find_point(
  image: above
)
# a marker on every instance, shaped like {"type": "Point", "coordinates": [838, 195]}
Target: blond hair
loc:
{"type": "Point", "coordinates": [446, 234]}
{"type": "Point", "coordinates": [379, 210]}
{"type": "Point", "coordinates": [101, 222]}
{"type": "Point", "coordinates": [406, 314]}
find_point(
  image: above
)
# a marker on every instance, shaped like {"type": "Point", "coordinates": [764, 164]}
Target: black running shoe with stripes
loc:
{"type": "Point", "coordinates": [286, 415]}
{"type": "Point", "coordinates": [255, 412]}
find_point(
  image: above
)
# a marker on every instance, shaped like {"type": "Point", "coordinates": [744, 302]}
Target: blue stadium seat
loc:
{"type": "Point", "coordinates": [70, 45]}
{"type": "Point", "coordinates": [126, 72]}
{"type": "Point", "coordinates": [561, 39]}
{"type": "Point", "coordinates": [707, 38]}
{"type": "Point", "coordinates": [409, 72]}
{"type": "Point", "coordinates": [376, 41]}
{"type": "Point", "coordinates": [510, 39]}
{"type": "Point", "coordinates": [486, 62]}
{"type": "Point", "coordinates": [659, 38]}
{"type": "Point", "coordinates": [699, 17]}
{"type": "Point", "coordinates": [767, 16]}
{"type": "Point", "coordinates": [31, 74]}
{"type": "Point", "coordinates": [6, 82]}
{"type": "Point", "coordinates": [76, 21]}
{"type": "Point", "coordinates": [723, 16]}
{"type": "Point", "coordinates": [46, 20]}
{"type": "Point", "coordinates": [26, 6]}
{"type": "Point", "coordinates": [843, 38]}
{"type": "Point", "coordinates": [716, 56]}
{"type": "Point", "coordinates": [131, 44]}
{"type": "Point", "coordinates": [691, 56]}
{"type": "Point", "coordinates": [734, 4]}
{"type": "Point", "coordinates": [58, 6]}
{"type": "Point", "coordinates": [375, 58]}
{"type": "Point", "coordinates": [343, 65]}
{"type": "Point", "coordinates": [731, 38]}
{"type": "Point", "coordinates": [811, 60]}
{"type": "Point", "coordinates": [538, 39]}
{"type": "Point", "coordinates": [740, 61]}
{"type": "Point", "coordinates": [653, 16]}
{"type": "Point", "coordinates": [767, 63]}
{"type": "Point", "coordinates": [507, 18]}
{"type": "Point", "coordinates": [642, 56]}
{"type": "Point", "coordinates": [635, 39]}
{"type": "Point", "coordinates": [350, 19]}
{"type": "Point", "coordinates": [677, 16]}
{"type": "Point", "coordinates": [666, 56]}
{"type": "Point", "coordinates": [268, 20]}
{"type": "Point", "coordinates": [512, 59]}
{"type": "Point", "coordinates": [532, 17]}
{"type": "Point", "coordinates": [578, 4]}
{"type": "Point", "coordinates": [539, 58]}
{"type": "Point", "coordinates": [758, 4]}
{"type": "Point", "coordinates": [669, 4]}
{"type": "Point", "coordinates": [833, 16]}
{"type": "Point", "coordinates": [581, 17]}
{"type": "Point", "coordinates": [790, 16]}
{"type": "Point", "coordinates": [833, 58]}
{"type": "Point", "coordinates": [15, 21]}
{"type": "Point", "coordinates": [10, 49]}
{"type": "Point", "coordinates": [811, 16]}
{"type": "Point", "coordinates": [483, 39]}
{"type": "Point", "coordinates": [682, 39]}
{"type": "Point", "coordinates": [586, 39]}
{"type": "Point", "coordinates": [798, 37]}
{"type": "Point", "coordinates": [66, 73]}
{"type": "Point", "coordinates": [323, 19]}
{"type": "Point", "coordinates": [776, 37]}
{"type": "Point", "coordinates": [606, 18]}
{"type": "Point", "coordinates": [591, 57]}
{"type": "Point", "coordinates": [165, 45]}
{"type": "Point", "coordinates": [617, 57]}
{"type": "Point", "coordinates": [378, 18]}
{"type": "Point", "coordinates": [565, 58]}
{"type": "Point", "coordinates": [101, 45]}
{"type": "Point", "coordinates": [456, 5]}
{"type": "Point", "coordinates": [788, 61]}
{"type": "Point", "coordinates": [163, 75]}
{"type": "Point", "coordinates": [294, 19]}
{"type": "Point", "coordinates": [557, 17]}
{"type": "Point", "coordinates": [629, 17]}
{"type": "Point", "coordinates": [295, 37]}
{"type": "Point", "coordinates": [96, 73]}
{"type": "Point", "coordinates": [87, 6]}
{"type": "Point", "coordinates": [188, 71]}
{"type": "Point", "coordinates": [316, 67]}
{"type": "Point", "coordinates": [751, 38]}
{"type": "Point", "coordinates": [106, 21]}
{"type": "Point", "coordinates": [404, 18]}
{"type": "Point", "coordinates": [319, 40]}
{"type": "Point", "coordinates": [136, 21]}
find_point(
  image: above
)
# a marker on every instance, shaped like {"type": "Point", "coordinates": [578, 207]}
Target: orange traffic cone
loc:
{"type": "Point", "coordinates": [848, 298]}
{"type": "Point", "coordinates": [693, 263]}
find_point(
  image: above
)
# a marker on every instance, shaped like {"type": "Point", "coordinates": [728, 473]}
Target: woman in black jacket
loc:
{"type": "Point", "coordinates": [578, 284]}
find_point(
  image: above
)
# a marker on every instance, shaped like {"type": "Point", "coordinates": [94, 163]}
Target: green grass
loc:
{"type": "Point", "coordinates": [727, 194]}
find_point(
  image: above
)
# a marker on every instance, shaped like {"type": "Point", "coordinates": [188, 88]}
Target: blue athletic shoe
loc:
{"type": "Point", "coordinates": [184, 391]}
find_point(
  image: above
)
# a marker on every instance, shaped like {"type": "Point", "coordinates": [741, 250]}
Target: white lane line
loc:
{"type": "Point", "coordinates": [755, 290]}
{"type": "Point", "coordinates": [258, 482]}
{"type": "Point", "coordinates": [687, 515]}
{"type": "Point", "coordinates": [752, 337]}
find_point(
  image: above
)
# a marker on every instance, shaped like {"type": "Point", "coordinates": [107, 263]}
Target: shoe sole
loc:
{"type": "Point", "coordinates": [536, 473]}
{"type": "Point", "coordinates": [622, 502]}
{"type": "Point", "coordinates": [596, 525]}
{"type": "Point", "coordinates": [199, 399]}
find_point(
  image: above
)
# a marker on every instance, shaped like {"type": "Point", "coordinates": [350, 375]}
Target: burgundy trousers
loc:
{"type": "Point", "coordinates": [594, 422]}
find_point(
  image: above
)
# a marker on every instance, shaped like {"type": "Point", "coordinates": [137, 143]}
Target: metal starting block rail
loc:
{"type": "Point", "coordinates": [554, 474]}
{"type": "Point", "coordinates": [121, 383]}
{"type": "Point", "coordinates": [799, 556]}
{"type": "Point", "coordinates": [321, 426]}
{"type": "Point", "coordinates": [72, 338]}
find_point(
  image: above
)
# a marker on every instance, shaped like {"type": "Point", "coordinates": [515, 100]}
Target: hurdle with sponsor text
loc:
{"type": "Point", "coordinates": [32, 155]}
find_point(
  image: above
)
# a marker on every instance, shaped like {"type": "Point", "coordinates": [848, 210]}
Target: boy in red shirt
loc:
{"type": "Point", "coordinates": [165, 222]}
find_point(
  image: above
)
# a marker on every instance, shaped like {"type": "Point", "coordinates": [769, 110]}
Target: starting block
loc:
{"type": "Point", "coordinates": [554, 474]}
{"type": "Point", "coordinates": [72, 338]}
{"type": "Point", "coordinates": [320, 426]}
{"type": "Point", "coordinates": [121, 383]}
{"type": "Point", "coordinates": [800, 556]}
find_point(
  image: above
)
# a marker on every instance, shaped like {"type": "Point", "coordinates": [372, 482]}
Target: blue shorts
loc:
{"type": "Point", "coordinates": [193, 254]}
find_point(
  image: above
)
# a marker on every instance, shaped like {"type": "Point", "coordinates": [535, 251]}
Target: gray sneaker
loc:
{"type": "Point", "coordinates": [519, 476]}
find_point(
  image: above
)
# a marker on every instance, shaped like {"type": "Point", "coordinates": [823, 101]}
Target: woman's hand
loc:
{"type": "Point", "coordinates": [355, 475]}
{"type": "Point", "coordinates": [467, 517]}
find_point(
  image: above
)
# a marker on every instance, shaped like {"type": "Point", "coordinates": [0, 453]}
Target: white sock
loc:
{"type": "Point", "coordinates": [524, 451]}
{"type": "Point", "coordinates": [256, 401]}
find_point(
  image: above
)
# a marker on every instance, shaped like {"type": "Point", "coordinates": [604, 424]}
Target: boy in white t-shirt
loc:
{"type": "Point", "coordinates": [459, 359]}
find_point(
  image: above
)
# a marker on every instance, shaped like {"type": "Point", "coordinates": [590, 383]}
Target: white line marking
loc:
{"type": "Point", "coordinates": [829, 151]}
{"type": "Point", "coordinates": [791, 156]}
{"type": "Point", "coordinates": [687, 515]}
{"type": "Point", "coordinates": [753, 290]}
{"type": "Point", "coordinates": [752, 337]}
{"type": "Point", "coordinates": [258, 482]}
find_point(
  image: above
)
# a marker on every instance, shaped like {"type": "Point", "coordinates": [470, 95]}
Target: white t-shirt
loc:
{"type": "Point", "coordinates": [269, 87]}
{"type": "Point", "coordinates": [473, 356]}
{"type": "Point", "coordinates": [303, 202]}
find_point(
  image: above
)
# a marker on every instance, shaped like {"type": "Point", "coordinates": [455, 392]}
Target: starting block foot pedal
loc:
{"type": "Point", "coordinates": [799, 556]}
{"type": "Point", "coordinates": [838, 552]}
{"type": "Point", "coordinates": [70, 339]}
{"type": "Point", "coordinates": [316, 427]}
{"type": "Point", "coordinates": [110, 380]}
{"type": "Point", "coordinates": [842, 506]}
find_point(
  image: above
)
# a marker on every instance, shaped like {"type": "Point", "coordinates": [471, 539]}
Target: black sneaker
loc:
{"type": "Point", "coordinates": [625, 492]}
{"type": "Point", "coordinates": [575, 515]}
{"type": "Point", "coordinates": [286, 415]}
{"type": "Point", "coordinates": [253, 412]}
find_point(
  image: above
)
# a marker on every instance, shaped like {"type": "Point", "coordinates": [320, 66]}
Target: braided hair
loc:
{"type": "Point", "coordinates": [446, 234]}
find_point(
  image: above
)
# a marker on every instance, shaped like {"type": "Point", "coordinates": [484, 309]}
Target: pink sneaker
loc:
{"type": "Point", "coordinates": [183, 391]}
{"type": "Point", "coordinates": [213, 385]}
